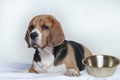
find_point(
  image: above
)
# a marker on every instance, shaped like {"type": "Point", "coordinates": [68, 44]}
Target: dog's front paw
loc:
{"type": "Point", "coordinates": [72, 72]}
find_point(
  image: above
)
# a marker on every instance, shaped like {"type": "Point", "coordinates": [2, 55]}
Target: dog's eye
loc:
{"type": "Point", "coordinates": [31, 27]}
{"type": "Point", "coordinates": [44, 27]}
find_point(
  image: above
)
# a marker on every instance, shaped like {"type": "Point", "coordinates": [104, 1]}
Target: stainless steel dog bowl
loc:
{"type": "Point", "coordinates": [101, 65]}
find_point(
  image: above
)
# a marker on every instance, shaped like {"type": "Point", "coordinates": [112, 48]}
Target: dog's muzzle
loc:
{"type": "Point", "coordinates": [33, 37]}
{"type": "Point", "coordinates": [35, 40]}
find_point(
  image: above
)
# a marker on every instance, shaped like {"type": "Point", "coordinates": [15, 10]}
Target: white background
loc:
{"type": "Point", "coordinates": [94, 23]}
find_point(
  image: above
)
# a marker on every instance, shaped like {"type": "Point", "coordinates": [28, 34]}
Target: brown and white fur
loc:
{"type": "Point", "coordinates": [44, 34]}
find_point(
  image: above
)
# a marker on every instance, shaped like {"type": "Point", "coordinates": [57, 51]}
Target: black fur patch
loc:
{"type": "Point", "coordinates": [37, 56]}
{"type": "Point", "coordinates": [60, 52]}
{"type": "Point", "coordinates": [79, 54]}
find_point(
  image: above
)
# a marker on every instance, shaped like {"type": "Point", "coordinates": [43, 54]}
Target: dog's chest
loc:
{"type": "Point", "coordinates": [46, 62]}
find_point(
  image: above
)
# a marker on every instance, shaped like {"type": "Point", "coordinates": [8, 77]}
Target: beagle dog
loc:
{"type": "Point", "coordinates": [53, 53]}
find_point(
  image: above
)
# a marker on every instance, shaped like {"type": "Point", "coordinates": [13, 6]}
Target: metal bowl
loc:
{"type": "Point", "coordinates": [101, 65]}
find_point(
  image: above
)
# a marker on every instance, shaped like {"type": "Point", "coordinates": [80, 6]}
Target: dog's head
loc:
{"type": "Point", "coordinates": [44, 30]}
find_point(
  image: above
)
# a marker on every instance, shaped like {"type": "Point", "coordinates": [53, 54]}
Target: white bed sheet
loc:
{"type": "Point", "coordinates": [14, 73]}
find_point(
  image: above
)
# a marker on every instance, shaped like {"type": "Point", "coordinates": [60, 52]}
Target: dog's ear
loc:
{"type": "Point", "coordinates": [56, 36]}
{"type": "Point", "coordinates": [27, 37]}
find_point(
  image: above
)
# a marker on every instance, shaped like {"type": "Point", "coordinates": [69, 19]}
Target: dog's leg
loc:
{"type": "Point", "coordinates": [32, 70]}
{"type": "Point", "coordinates": [72, 69]}
{"type": "Point", "coordinates": [72, 72]}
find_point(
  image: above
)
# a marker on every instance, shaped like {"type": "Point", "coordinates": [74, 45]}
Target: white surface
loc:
{"type": "Point", "coordinates": [94, 23]}
{"type": "Point", "coordinates": [16, 72]}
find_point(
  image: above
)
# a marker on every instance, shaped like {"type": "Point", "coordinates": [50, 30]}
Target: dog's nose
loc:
{"type": "Point", "coordinates": [33, 35]}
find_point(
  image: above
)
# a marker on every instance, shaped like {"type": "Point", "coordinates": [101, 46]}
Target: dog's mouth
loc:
{"type": "Point", "coordinates": [34, 44]}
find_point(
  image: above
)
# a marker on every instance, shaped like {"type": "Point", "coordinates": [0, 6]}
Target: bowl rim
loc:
{"type": "Point", "coordinates": [117, 59]}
